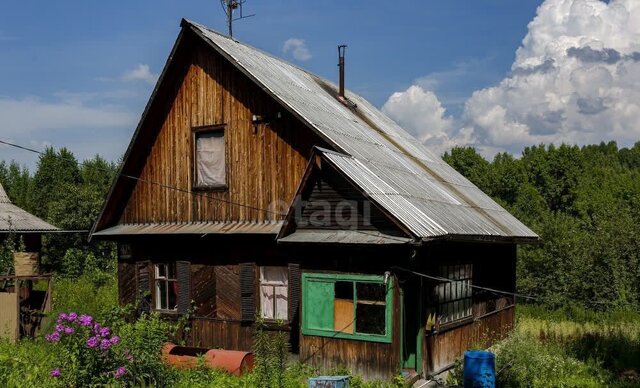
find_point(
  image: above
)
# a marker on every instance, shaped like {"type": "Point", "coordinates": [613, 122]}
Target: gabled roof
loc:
{"type": "Point", "coordinates": [14, 219]}
{"type": "Point", "coordinates": [397, 171]}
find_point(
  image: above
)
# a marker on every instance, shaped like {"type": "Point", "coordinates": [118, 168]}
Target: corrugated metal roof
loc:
{"type": "Point", "coordinates": [193, 228]}
{"type": "Point", "coordinates": [416, 186]}
{"type": "Point", "coordinates": [343, 237]}
{"type": "Point", "coordinates": [14, 219]}
{"type": "Point", "coordinates": [4, 198]}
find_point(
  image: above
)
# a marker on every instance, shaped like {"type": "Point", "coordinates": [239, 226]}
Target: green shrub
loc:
{"type": "Point", "coordinates": [271, 349]}
{"type": "Point", "coordinates": [93, 295]}
{"type": "Point", "coordinates": [526, 362]}
{"type": "Point", "coordinates": [26, 364]}
{"type": "Point", "coordinates": [144, 338]}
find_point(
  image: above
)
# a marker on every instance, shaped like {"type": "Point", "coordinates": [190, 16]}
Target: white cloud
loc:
{"type": "Point", "coordinates": [298, 49]}
{"type": "Point", "coordinates": [420, 112]}
{"type": "Point", "coordinates": [35, 115]}
{"type": "Point", "coordinates": [575, 79]}
{"type": "Point", "coordinates": [85, 130]}
{"type": "Point", "coordinates": [140, 73]}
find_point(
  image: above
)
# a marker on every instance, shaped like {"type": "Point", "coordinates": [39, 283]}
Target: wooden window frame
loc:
{"type": "Point", "coordinates": [308, 277]}
{"type": "Point", "coordinates": [195, 131]}
{"type": "Point", "coordinates": [260, 284]}
{"type": "Point", "coordinates": [468, 299]}
{"type": "Point", "coordinates": [168, 281]}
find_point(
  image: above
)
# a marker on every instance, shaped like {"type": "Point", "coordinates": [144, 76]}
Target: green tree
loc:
{"type": "Point", "coordinates": [470, 164]}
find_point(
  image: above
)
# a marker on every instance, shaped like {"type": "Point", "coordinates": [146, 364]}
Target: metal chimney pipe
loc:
{"type": "Point", "coordinates": [341, 50]}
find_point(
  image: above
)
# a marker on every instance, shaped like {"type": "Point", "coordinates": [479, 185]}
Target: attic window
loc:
{"type": "Point", "coordinates": [209, 162]}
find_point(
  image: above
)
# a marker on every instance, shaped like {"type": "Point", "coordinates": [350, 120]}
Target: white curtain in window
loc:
{"type": "Point", "coordinates": [274, 286]}
{"type": "Point", "coordinates": [210, 161]}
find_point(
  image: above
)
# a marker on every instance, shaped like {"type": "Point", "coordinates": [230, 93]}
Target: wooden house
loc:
{"type": "Point", "coordinates": [252, 188]}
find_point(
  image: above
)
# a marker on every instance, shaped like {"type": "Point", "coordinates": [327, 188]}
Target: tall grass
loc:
{"type": "Point", "coordinates": [26, 364]}
{"type": "Point", "coordinates": [607, 342]}
{"type": "Point", "coordinates": [570, 347]}
{"type": "Point", "coordinates": [96, 295]}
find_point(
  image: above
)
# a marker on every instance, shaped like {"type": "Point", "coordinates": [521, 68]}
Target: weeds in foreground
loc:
{"type": "Point", "coordinates": [595, 350]}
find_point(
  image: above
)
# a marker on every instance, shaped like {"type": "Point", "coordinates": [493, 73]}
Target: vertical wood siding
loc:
{"type": "Point", "coordinates": [334, 203]}
{"type": "Point", "coordinates": [264, 163]}
{"type": "Point", "coordinates": [212, 333]}
{"type": "Point", "coordinates": [126, 282]}
{"type": "Point", "coordinates": [443, 348]}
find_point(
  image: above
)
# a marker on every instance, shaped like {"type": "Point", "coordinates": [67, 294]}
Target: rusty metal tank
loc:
{"type": "Point", "coordinates": [234, 362]}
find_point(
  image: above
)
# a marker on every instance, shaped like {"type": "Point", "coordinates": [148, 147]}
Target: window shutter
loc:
{"type": "Point", "coordinates": [295, 291]}
{"type": "Point", "coordinates": [127, 283]}
{"type": "Point", "coordinates": [143, 292]}
{"type": "Point", "coordinates": [247, 291]}
{"type": "Point", "coordinates": [183, 272]}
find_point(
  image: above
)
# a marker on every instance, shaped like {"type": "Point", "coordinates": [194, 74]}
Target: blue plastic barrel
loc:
{"type": "Point", "coordinates": [479, 369]}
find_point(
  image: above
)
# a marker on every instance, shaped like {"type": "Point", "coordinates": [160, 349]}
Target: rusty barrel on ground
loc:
{"type": "Point", "coordinates": [232, 361]}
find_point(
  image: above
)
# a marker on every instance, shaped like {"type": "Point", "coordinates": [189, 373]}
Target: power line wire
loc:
{"type": "Point", "coordinates": [202, 195]}
{"type": "Point", "coordinates": [163, 185]}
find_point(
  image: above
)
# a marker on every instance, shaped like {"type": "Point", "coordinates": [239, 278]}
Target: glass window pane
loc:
{"type": "Point", "coordinates": [454, 297]}
{"type": "Point", "coordinates": [172, 295]}
{"type": "Point", "coordinates": [274, 275]}
{"type": "Point", "coordinates": [161, 294]}
{"type": "Point", "coordinates": [171, 271]}
{"type": "Point", "coordinates": [281, 302]}
{"type": "Point", "coordinates": [274, 291]}
{"type": "Point", "coordinates": [371, 292]}
{"type": "Point", "coordinates": [161, 270]}
{"type": "Point", "coordinates": [370, 318]}
{"type": "Point", "coordinates": [267, 300]}
{"type": "Point", "coordinates": [344, 290]}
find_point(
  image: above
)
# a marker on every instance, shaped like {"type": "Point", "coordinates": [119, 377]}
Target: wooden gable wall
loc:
{"type": "Point", "coordinates": [331, 202]}
{"type": "Point", "coordinates": [265, 163]}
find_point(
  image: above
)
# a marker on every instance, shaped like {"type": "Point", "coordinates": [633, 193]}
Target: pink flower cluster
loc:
{"type": "Point", "coordinates": [62, 325]}
{"type": "Point", "coordinates": [100, 336]}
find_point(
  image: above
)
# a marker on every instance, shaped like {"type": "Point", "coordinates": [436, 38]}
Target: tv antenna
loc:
{"type": "Point", "coordinates": [229, 6]}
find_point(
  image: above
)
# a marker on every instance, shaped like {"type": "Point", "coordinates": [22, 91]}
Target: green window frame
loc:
{"type": "Point", "coordinates": [319, 304]}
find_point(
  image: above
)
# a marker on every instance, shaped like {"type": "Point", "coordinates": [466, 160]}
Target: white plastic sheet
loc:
{"type": "Point", "coordinates": [210, 161]}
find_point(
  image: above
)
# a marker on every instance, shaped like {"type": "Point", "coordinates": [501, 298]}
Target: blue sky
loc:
{"type": "Point", "coordinates": [78, 73]}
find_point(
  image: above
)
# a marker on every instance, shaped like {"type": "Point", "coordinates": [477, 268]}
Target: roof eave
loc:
{"type": "Point", "coordinates": [485, 239]}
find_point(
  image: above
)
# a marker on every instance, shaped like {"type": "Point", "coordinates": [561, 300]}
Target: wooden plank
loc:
{"type": "Point", "coordinates": [9, 328]}
{"type": "Point", "coordinates": [227, 291]}
{"type": "Point", "coordinates": [203, 290]}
